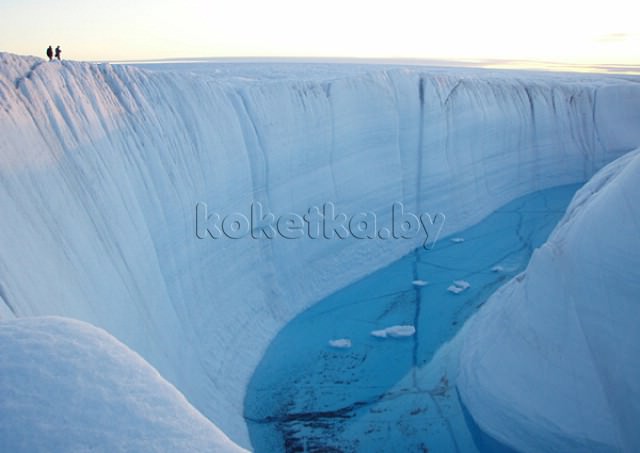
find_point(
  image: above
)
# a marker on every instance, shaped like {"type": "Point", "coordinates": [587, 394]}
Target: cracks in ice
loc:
{"type": "Point", "coordinates": [5, 300]}
{"type": "Point", "coordinates": [260, 176]}
{"type": "Point", "coordinates": [416, 321]}
{"type": "Point", "coordinates": [344, 412]}
{"type": "Point", "coordinates": [452, 92]}
{"type": "Point", "coordinates": [256, 153]}
{"type": "Point", "coordinates": [334, 183]}
{"type": "Point", "coordinates": [348, 411]}
{"type": "Point", "coordinates": [445, 419]}
{"type": "Point", "coordinates": [532, 109]}
{"type": "Point", "coordinates": [596, 132]}
{"type": "Point", "coordinates": [28, 75]}
{"type": "Point", "coordinates": [419, 159]}
{"type": "Point", "coordinates": [24, 93]}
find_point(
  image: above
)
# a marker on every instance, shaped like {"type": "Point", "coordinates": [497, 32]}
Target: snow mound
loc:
{"type": "Point", "coordinates": [341, 343]}
{"type": "Point", "coordinates": [552, 360]}
{"type": "Point", "coordinates": [395, 332]}
{"type": "Point", "coordinates": [68, 386]}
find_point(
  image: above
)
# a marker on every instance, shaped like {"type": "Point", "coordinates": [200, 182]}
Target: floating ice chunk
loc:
{"type": "Point", "coordinates": [340, 343]}
{"type": "Point", "coordinates": [400, 331]}
{"type": "Point", "coordinates": [420, 283]}
{"type": "Point", "coordinates": [457, 240]}
{"type": "Point", "coordinates": [462, 284]}
{"type": "Point", "coordinates": [497, 269]}
{"type": "Point", "coordinates": [458, 286]}
{"type": "Point", "coordinates": [394, 332]}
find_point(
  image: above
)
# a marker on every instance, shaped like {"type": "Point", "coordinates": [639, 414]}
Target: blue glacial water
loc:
{"type": "Point", "coordinates": [379, 395]}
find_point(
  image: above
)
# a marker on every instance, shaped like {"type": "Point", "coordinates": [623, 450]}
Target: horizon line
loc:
{"type": "Point", "coordinates": [483, 63]}
{"type": "Point", "coordinates": [487, 63]}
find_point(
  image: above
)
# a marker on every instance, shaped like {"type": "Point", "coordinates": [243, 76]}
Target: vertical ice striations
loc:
{"type": "Point", "coordinates": [551, 362]}
{"type": "Point", "coordinates": [101, 168]}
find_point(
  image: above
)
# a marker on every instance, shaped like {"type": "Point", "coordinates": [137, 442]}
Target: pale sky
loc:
{"type": "Point", "coordinates": [576, 32]}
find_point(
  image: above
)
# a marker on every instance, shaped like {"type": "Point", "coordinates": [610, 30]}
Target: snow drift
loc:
{"type": "Point", "coordinates": [101, 168]}
{"type": "Point", "coordinates": [552, 361]}
{"type": "Point", "coordinates": [68, 386]}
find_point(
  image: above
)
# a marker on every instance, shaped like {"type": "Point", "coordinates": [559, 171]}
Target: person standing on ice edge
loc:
{"type": "Point", "coordinates": [58, 53]}
{"type": "Point", "coordinates": [49, 53]}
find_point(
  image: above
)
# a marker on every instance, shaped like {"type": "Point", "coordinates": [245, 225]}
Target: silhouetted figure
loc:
{"type": "Point", "coordinates": [49, 53]}
{"type": "Point", "coordinates": [58, 52]}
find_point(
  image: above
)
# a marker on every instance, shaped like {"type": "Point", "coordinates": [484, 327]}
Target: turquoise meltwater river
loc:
{"type": "Point", "coordinates": [327, 384]}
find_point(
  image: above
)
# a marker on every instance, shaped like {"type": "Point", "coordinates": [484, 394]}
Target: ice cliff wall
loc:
{"type": "Point", "coordinates": [101, 168]}
{"type": "Point", "coordinates": [552, 361]}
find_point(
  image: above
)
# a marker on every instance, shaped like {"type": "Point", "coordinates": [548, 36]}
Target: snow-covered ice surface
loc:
{"type": "Point", "coordinates": [68, 386]}
{"type": "Point", "coordinates": [391, 394]}
{"type": "Point", "coordinates": [552, 362]}
{"type": "Point", "coordinates": [101, 168]}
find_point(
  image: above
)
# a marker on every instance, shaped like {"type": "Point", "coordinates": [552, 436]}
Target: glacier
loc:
{"type": "Point", "coordinates": [101, 168]}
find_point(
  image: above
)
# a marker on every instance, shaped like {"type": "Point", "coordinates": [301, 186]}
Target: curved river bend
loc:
{"type": "Point", "coordinates": [307, 395]}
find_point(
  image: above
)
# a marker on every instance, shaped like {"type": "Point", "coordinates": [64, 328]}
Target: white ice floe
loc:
{"type": "Point", "coordinates": [340, 343]}
{"type": "Point", "coordinates": [497, 269]}
{"type": "Point", "coordinates": [462, 284]}
{"type": "Point", "coordinates": [457, 240]}
{"type": "Point", "coordinates": [419, 283]}
{"type": "Point", "coordinates": [395, 331]}
{"type": "Point", "coordinates": [458, 286]}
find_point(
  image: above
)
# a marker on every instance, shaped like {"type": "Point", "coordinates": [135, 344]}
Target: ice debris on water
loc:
{"type": "Point", "coordinates": [340, 343]}
{"type": "Point", "coordinates": [394, 332]}
{"type": "Point", "coordinates": [458, 286]}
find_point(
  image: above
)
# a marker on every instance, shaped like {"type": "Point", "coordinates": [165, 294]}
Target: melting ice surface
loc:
{"type": "Point", "coordinates": [327, 384]}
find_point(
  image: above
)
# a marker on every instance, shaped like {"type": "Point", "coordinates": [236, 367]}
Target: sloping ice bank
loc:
{"type": "Point", "coordinates": [552, 361]}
